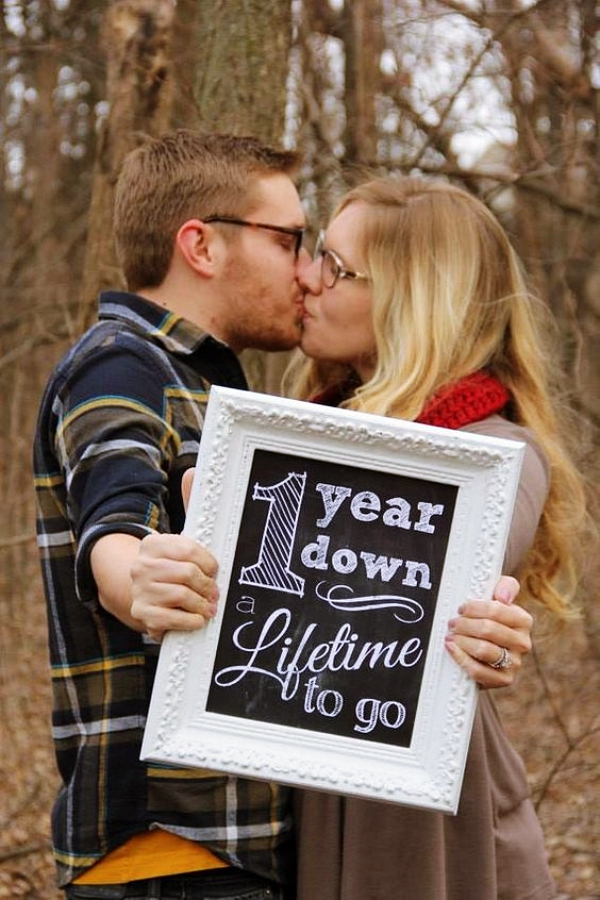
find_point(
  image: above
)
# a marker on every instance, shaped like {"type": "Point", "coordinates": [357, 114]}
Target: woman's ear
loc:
{"type": "Point", "coordinates": [196, 244]}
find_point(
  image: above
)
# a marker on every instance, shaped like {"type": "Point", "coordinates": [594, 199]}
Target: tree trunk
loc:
{"type": "Point", "coordinates": [242, 66]}
{"type": "Point", "coordinates": [185, 112]}
{"type": "Point", "coordinates": [137, 36]}
{"type": "Point", "coordinates": [362, 45]}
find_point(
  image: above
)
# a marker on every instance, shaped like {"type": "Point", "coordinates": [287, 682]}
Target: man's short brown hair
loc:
{"type": "Point", "coordinates": [179, 176]}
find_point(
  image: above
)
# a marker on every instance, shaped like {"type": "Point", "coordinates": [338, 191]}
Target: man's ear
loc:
{"type": "Point", "coordinates": [196, 244]}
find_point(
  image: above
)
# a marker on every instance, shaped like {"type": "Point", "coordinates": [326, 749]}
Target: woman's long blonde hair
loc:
{"type": "Point", "coordinates": [449, 299]}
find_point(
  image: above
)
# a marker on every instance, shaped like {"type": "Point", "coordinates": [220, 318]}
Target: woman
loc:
{"type": "Point", "coordinates": [416, 307]}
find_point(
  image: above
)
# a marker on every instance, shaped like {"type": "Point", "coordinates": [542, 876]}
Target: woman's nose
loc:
{"type": "Point", "coordinates": [308, 272]}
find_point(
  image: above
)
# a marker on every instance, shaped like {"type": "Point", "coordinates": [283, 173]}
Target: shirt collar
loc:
{"type": "Point", "coordinates": [176, 334]}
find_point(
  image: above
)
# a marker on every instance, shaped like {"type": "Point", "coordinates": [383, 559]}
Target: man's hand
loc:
{"type": "Point", "coordinates": [173, 585]}
{"type": "Point", "coordinates": [484, 629]}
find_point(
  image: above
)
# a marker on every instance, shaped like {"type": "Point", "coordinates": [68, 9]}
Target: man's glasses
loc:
{"type": "Point", "coordinates": [332, 267]}
{"type": "Point", "coordinates": [296, 233]}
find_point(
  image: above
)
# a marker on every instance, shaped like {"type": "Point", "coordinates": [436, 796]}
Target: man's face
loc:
{"type": "Point", "coordinates": [262, 296]}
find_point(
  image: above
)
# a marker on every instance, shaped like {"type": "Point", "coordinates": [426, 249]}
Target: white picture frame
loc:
{"type": "Point", "coordinates": [325, 666]}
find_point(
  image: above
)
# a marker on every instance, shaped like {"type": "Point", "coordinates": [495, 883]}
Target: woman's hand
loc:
{"type": "Point", "coordinates": [173, 585]}
{"type": "Point", "coordinates": [489, 638]}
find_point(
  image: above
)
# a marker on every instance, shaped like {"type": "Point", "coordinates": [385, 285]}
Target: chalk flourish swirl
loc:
{"type": "Point", "coordinates": [410, 610]}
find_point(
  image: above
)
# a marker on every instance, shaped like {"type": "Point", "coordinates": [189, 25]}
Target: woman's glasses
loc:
{"type": "Point", "coordinates": [332, 267]}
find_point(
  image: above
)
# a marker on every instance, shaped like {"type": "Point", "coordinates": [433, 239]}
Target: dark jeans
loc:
{"type": "Point", "coordinates": [219, 884]}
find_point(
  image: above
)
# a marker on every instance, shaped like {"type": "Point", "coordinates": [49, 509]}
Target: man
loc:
{"type": "Point", "coordinates": [209, 232]}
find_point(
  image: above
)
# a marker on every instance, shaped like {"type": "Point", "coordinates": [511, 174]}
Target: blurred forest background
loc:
{"type": "Point", "coordinates": [502, 96]}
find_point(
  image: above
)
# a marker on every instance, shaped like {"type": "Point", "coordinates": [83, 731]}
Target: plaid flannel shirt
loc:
{"type": "Point", "coordinates": [119, 423]}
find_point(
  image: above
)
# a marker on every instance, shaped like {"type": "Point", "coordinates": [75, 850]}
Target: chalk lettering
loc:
{"type": "Point", "coordinates": [322, 701]}
{"type": "Point", "coordinates": [369, 711]}
{"type": "Point", "coordinates": [428, 510]}
{"type": "Point", "coordinates": [382, 566]}
{"type": "Point", "coordinates": [423, 570]}
{"type": "Point", "coordinates": [314, 556]}
{"type": "Point", "coordinates": [333, 497]}
{"type": "Point", "coordinates": [246, 606]}
{"type": "Point", "coordinates": [398, 516]}
{"type": "Point", "coordinates": [365, 506]}
{"type": "Point", "coordinates": [311, 689]}
{"type": "Point", "coordinates": [345, 561]}
{"type": "Point", "coordinates": [273, 567]}
{"type": "Point", "coordinates": [341, 597]}
{"type": "Point", "coordinates": [342, 652]}
{"type": "Point", "coordinates": [392, 714]}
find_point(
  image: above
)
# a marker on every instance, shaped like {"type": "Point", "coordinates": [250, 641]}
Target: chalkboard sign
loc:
{"type": "Point", "coordinates": [346, 542]}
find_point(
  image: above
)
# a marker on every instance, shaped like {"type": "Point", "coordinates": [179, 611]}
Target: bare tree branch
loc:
{"type": "Point", "coordinates": [510, 20]}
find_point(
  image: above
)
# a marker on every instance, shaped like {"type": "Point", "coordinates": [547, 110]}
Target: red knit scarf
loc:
{"type": "Point", "coordinates": [471, 399]}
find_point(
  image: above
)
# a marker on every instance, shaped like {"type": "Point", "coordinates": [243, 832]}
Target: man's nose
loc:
{"type": "Point", "coordinates": [308, 272]}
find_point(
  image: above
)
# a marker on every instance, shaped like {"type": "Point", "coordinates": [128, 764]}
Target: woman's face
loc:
{"type": "Point", "coordinates": [337, 323]}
